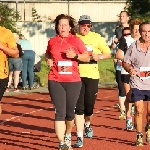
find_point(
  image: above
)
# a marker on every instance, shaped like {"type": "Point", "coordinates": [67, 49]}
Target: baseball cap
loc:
{"type": "Point", "coordinates": [85, 19]}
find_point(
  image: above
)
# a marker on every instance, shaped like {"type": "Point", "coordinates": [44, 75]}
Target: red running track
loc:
{"type": "Point", "coordinates": [27, 124]}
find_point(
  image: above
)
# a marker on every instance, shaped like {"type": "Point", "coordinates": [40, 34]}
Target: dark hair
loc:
{"type": "Point", "coordinates": [71, 23]}
{"type": "Point", "coordinates": [125, 28]}
{"type": "Point", "coordinates": [143, 23]}
{"type": "Point", "coordinates": [133, 22]}
{"type": "Point", "coordinates": [127, 13]}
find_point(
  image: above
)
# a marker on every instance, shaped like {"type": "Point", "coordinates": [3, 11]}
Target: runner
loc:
{"type": "Point", "coordinates": [7, 47]}
{"type": "Point", "coordinates": [129, 36]}
{"type": "Point", "coordinates": [124, 18]}
{"type": "Point", "coordinates": [98, 50]}
{"type": "Point", "coordinates": [65, 49]}
{"type": "Point", "coordinates": [136, 62]}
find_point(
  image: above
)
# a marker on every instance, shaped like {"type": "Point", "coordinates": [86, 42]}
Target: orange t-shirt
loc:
{"type": "Point", "coordinates": [6, 38]}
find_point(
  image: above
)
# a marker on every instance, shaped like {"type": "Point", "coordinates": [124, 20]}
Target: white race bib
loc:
{"type": "Point", "coordinates": [65, 67]}
{"type": "Point", "coordinates": [144, 72]}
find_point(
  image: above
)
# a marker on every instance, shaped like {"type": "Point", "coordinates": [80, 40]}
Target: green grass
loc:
{"type": "Point", "coordinates": [106, 69]}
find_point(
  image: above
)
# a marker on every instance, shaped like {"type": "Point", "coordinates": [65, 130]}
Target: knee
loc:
{"type": "Point", "coordinates": [70, 116]}
{"type": "Point", "coordinates": [139, 109]}
{"type": "Point", "coordinates": [59, 116]}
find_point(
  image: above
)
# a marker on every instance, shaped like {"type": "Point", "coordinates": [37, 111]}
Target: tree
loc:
{"type": "Point", "coordinates": [9, 17]}
{"type": "Point", "coordinates": [139, 9]}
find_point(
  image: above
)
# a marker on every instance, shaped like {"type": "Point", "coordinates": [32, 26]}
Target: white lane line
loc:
{"type": "Point", "coordinates": [12, 118]}
{"type": "Point", "coordinates": [105, 97]}
{"type": "Point", "coordinates": [107, 108]}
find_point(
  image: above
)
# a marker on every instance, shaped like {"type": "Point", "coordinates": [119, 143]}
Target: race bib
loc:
{"type": "Point", "coordinates": [89, 49]}
{"type": "Point", "coordinates": [144, 72]}
{"type": "Point", "coordinates": [64, 67]}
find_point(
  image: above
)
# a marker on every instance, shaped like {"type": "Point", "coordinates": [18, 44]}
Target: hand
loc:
{"type": "Point", "coordinates": [116, 40]}
{"type": "Point", "coordinates": [70, 53]}
{"type": "Point", "coordinates": [49, 62]}
{"type": "Point", "coordinates": [132, 72]}
{"type": "Point", "coordinates": [95, 57]}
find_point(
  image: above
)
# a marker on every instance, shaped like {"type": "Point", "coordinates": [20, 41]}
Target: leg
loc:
{"type": "Point", "coordinates": [3, 85]}
{"type": "Point", "coordinates": [24, 68]}
{"type": "Point", "coordinates": [122, 95]}
{"type": "Point", "coordinates": [73, 91]}
{"type": "Point", "coordinates": [59, 101]}
{"type": "Point", "coordinates": [10, 78]}
{"type": "Point", "coordinates": [91, 89]}
{"type": "Point", "coordinates": [79, 117]}
{"type": "Point", "coordinates": [137, 96]}
{"type": "Point", "coordinates": [31, 68]}
{"type": "Point", "coordinates": [16, 79]}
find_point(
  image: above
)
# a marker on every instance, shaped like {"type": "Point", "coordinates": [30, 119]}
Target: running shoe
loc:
{"type": "Point", "coordinates": [67, 141]}
{"type": "Point", "coordinates": [117, 106]}
{"type": "Point", "coordinates": [139, 140]}
{"type": "Point", "coordinates": [147, 129]}
{"type": "Point", "coordinates": [63, 147]}
{"type": "Point", "coordinates": [79, 142]}
{"type": "Point", "coordinates": [129, 125]}
{"type": "Point", "coordinates": [88, 132]}
{"type": "Point", "coordinates": [122, 115]}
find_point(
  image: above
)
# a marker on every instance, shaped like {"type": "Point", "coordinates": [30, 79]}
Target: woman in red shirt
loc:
{"type": "Point", "coordinates": [64, 83]}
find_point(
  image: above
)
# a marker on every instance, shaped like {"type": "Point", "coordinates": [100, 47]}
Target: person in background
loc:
{"type": "Point", "coordinates": [130, 34]}
{"type": "Point", "coordinates": [98, 50]}
{"type": "Point", "coordinates": [62, 55]}
{"type": "Point", "coordinates": [15, 67]}
{"type": "Point", "coordinates": [8, 47]}
{"type": "Point", "coordinates": [28, 62]}
{"type": "Point", "coordinates": [124, 19]}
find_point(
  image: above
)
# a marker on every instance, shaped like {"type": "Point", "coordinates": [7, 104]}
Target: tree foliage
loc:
{"type": "Point", "coordinates": [139, 9]}
{"type": "Point", "coordinates": [9, 16]}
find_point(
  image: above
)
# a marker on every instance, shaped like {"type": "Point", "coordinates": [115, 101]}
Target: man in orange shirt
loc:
{"type": "Point", "coordinates": [8, 47]}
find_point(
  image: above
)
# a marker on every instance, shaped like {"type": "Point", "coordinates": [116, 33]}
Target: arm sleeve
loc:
{"type": "Point", "coordinates": [103, 47]}
{"type": "Point", "coordinates": [80, 45]}
{"type": "Point", "coordinates": [122, 44]}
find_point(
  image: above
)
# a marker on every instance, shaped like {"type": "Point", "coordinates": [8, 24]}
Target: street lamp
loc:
{"type": "Point", "coordinates": [16, 9]}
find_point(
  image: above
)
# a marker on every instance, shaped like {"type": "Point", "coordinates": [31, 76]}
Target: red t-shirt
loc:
{"type": "Point", "coordinates": [64, 69]}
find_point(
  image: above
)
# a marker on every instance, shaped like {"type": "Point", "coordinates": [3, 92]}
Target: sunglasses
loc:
{"type": "Point", "coordinates": [85, 25]}
{"type": "Point", "coordinates": [126, 34]}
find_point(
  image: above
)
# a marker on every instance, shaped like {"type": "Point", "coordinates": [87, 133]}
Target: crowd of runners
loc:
{"type": "Point", "coordinates": [74, 72]}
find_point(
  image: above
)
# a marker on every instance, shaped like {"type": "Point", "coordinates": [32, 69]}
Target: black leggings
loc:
{"type": "Point", "coordinates": [3, 85]}
{"type": "Point", "coordinates": [88, 94]}
{"type": "Point", "coordinates": [120, 84]}
{"type": "Point", "coordinates": [64, 96]}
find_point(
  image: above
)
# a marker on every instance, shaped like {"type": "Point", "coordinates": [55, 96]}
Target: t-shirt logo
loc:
{"type": "Point", "coordinates": [64, 67]}
{"type": "Point", "coordinates": [144, 72]}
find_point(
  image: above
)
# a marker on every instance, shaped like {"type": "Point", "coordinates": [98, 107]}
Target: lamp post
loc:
{"type": "Point", "coordinates": [68, 8]}
{"type": "Point", "coordinates": [16, 9]}
{"type": "Point", "coordinates": [24, 10]}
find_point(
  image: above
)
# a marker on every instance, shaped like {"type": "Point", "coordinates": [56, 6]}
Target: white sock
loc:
{"type": "Point", "coordinates": [80, 134]}
{"type": "Point", "coordinates": [87, 124]}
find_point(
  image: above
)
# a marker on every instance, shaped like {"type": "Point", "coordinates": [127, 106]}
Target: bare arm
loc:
{"type": "Point", "coordinates": [81, 57]}
{"type": "Point", "coordinates": [13, 52]}
{"type": "Point", "coordinates": [119, 54]}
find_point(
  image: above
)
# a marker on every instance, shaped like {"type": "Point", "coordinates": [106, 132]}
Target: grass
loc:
{"type": "Point", "coordinates": [106, 69]}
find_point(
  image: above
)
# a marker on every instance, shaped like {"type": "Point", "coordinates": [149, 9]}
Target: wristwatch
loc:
{"type": "Point", "coordinates": [76, 57]}
{"type": "Point", "coordinates": [101, 57]}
